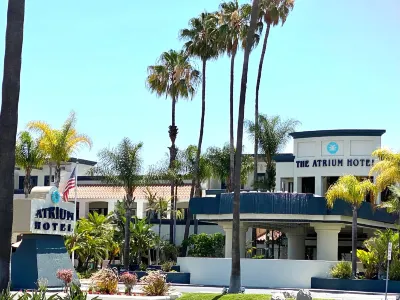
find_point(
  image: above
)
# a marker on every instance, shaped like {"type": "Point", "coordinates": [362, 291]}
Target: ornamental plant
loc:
{"type": "Point", "coordinates": [155, 284]}
{"type": "Point", "coordinates": [65, 275]}
{"type": "Point", "coordinates": [129, 280]}
{"type": "Point", "coordinates": [105, 281]}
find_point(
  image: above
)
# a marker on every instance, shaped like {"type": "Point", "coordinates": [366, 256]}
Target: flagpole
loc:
{"type": "Point", "coordinates": [76, 187]}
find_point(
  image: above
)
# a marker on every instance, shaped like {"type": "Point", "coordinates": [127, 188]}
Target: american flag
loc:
{"type": "Point", "coordinates": [71, 183]}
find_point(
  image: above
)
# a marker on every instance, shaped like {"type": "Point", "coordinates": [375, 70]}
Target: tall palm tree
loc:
{"type": "Point", "coordinates": [393, 205]}
{"type": "Point", "coordinates": [219, 164]}
{"type": "Point", "coordinates": [8, 129]}
{"type": "Point", "coordinates": [235, 281]}
{"type": "Point", "coordinates": [173, 76]}
{"type": "Point", "coordinates": [60, 144]}
{"type": "Point", "coordinates": [122, 166]}
{"type": "Point", "coordinates": [273, 134]}
{"type": "Point", "coordinates": [351, 190]}
{"type": "Point", "coordinates": [387, 168]}
{"type": "Point", "coordinates": [202, 42]}
{"type": "Point", "coordinates": [28, 155]}
{"type": "Point", "coordinates": [234, 23]}
{"type": "Point", "coordinates": [272, 12]}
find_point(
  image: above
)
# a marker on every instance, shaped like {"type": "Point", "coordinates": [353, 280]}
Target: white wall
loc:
{"type": "Point", "coordinates": [265, 273]}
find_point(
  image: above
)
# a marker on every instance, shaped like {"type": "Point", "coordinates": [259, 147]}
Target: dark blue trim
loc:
{"type": "Point", "coordinates": [171, 277]}
{"type": "Point", "coordinates": [283, 157]}
{"type": "Point", "coordinates": [285, 203]}
{"type": "Point", "coordinates": [178, 222]}
{"type": "Point", "coordinates": [220, 191]}
{"type": "Point", "coordinates": [82, 161]}
{"type": "Point", "coordinates": [337, 132]}
{"type": "Point", "coordinates": [361, 285]}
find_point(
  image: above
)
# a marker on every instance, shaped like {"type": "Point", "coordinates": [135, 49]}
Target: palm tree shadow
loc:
{"type": "Point", "coordinates": [217, 297]}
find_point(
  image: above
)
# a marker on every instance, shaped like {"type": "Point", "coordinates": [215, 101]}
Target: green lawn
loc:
{"type": "Point", "coordinates": [201, 296]}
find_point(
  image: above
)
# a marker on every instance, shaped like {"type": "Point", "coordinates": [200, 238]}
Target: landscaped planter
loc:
{"type": "Point", "coordinates": [158, 267]}
{"type": "Point", "coordinates": [362, 285]}
{"type": "Point", "coordinates": [172, 277]}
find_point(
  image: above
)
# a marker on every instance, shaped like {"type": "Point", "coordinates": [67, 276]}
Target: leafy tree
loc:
{"type": "Point", "coordinates": [351, 190]}
{"type": "Point", "coordinates": [142, 238]}
{"type": "Point", "coordinates": [8, 128]}
{"type": "Point", "coordinates": [122, 166]}
{"type": "Point", "coordinates": [206, 245]}
{"type": "Point", "coordinates": [393, 205]}
{"type": "Point", "coordinates": [60, 144]}
{"type": "Point", "coordinates": [234, 20]}
{"type": "Point", "coordinates": [272, 12]}
{"type": "Point", "coordinates": [387, 168]}
{"type": "Point", "coordinates": [273, 135]}
{"type": "Point", "coordinates": [235, 280]}
{"type": "Point", "coordinates": [219, 164]}
{"type": "Point", "coordinates": [28, 155]}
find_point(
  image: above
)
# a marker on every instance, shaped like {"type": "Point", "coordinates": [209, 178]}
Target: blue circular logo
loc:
{"type": "Point", "coordinates": [55, 197]}
{"type": "Point", "coordinates": [332, 147]}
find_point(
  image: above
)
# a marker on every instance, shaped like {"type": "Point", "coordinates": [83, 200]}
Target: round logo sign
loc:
{"type": "Point", "coordinates": [55, 197]}
{"type": "Point", "coordinates": [332, 147]}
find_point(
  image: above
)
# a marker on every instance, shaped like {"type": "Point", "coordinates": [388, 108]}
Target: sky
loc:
{"type": "Point", "coordinates": [335, 64]}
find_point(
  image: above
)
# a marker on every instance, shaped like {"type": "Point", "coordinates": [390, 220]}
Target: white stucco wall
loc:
{"type": "Point", "coordinates": [266, 273]}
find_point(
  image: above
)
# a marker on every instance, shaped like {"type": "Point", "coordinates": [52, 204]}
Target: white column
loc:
{"type": "Point", "coordinates": [243, 233]}
{"type": "Point", "coordinates": [327, 240]}
{"type": "Point", "coordinates": [318, 185]}
{"type": "Point", "coordinates": [83, 208]}
{"type": "Point", "coordinates": [141, 207]}
{"type": "Point", "coordinates": [228, 238]}
{"type": "Point", "coordinates": [111, 205]}
{"type": "Point", "coordinates": [296, 243]}
{"type": "Point", "coordinates": [278, 184]}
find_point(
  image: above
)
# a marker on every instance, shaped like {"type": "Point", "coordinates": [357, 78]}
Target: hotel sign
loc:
{"type": "Point", "coordinates": [351, 162]}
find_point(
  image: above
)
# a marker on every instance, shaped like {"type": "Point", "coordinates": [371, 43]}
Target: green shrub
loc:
{"type": "Point", "coordinates": [206, 245]}
{"type": "Point", "coordinates": [341, 270]}
{"type": "Point", "coordinates": [143, 267]}
{"type": "Point", "coordinates": [155, 284]}
{"type": "Point", "coordinates": [167, 266]}
{"type": "Point", "coordinates": [258, 256]}
{"type": "Point", "coordinates": [86, 274]}
{"type": "Point", "coordinates": [370, 263]}
{"type": "Point", "coordinates": [394, 269]}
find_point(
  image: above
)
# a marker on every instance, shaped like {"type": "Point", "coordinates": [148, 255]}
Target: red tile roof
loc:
{"type": "Point", "coordinates": [118, 192]}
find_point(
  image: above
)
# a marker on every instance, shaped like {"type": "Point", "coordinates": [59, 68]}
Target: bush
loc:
{"type": "Point", "coordinates": [394, 269]}
{"type": "Point", "coordinates": [143, 267]}
{"type": "Point", "coordinates": [105, 281]}
{"type": "Point", "coordinates": [129, 280]}
{"type": "Point", "coordinates": [169, 251]}
{"type": "Point", "coordinates": [155, 284]}
{"type": "Point", "coordinates": [341, 270]}
{"type": "Point", "coordinates": [206, 245]}
{"type": "Point", "coordinates": [86, 274]}
{"type": "Point", "coordinates": [66, 276]}
{"type": "Point", "coordinates": [75, 293]}
{"type": "Point", "coordinates": [370, 263]}
{"type": "Point", "coordinates": [258, 256]}
{"type": "Point", "coordinates": [167, 266]}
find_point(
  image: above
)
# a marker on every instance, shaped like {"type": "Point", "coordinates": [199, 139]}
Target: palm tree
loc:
{"type": "Point", "coordinates": [272, 12]}
{"type": "Point", "coordinates": [219, 164]}
{"type": "Point", "coordinates": [273, 135]}
{"type": "Point", "coordinates": [28, 155]}
{"type": "Point", "coordinates": [122, 166]}
{"type": "Point", "coordinates": [393, 205]}
{"type": "Point", "coordinates": [173, 76]}
{"type": "Point", "coordinates": [234, 24]}
{"type": "Point", "coordinates": [387, 168]}
{"type": "Point", "coordinates": [351, 190]}
{"type": "Point", "coordinates": [235, 281]}
{"type": "Point", "coordinates": [142, 237]}
{"type": "Point", "coordinates": [60, 144]}
{"type": "Point", "coordinates": [8, 129]}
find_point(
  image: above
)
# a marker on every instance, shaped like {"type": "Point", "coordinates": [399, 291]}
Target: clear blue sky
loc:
{"type": "Point", "coordinates": [334, 64]}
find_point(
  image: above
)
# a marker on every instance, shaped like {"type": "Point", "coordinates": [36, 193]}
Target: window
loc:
{"type": "Point", "coordinates": [34, 182]}
{"type": "Point", "coordinates": [47, 181]}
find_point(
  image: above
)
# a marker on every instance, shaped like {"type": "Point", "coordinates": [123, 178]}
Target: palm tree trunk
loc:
{"type": "Point", "coordinates": [260, 66]}
{"type": "Point", "coordinates": [173, 132]}
{"type": "Point", "coordinates": [174, 212]}
{"type": "Point", "coordinates": [235, 280]}
{"type": "Point", "coordinates": [27, 182]}
{"type": "Point", "coordinates": [159, 238]}
{"type": "Point", "coordinates": [230, 185]}
{"type": "Point", "coordinates": [57, 175]}
{"type": "Point", "coordinates": [128, 215]}
{"type": "Point", "coordinates": [50, 173]}
{"type": "Point", "coordinates": [8, 129]}
{"type": "Point", "coordinates": [354, 243]}
{"type": "Point", "coordinates": [398, 232]}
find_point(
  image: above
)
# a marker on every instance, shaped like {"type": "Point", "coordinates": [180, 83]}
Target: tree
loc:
{"type": "Point", "coordinates": [235, 280]}
{"type": "Point", "coordinates": [272, 134]}
{"type": "Point", "coordinates": [122, 166]}
{"type": "Point", "coordinates": [28, 155]}
{"type": "Point", "coordinates": [219, 164]}
{"type": "Point", "coordinates": [393, 205]}
{"type": "Point", "coordinates": [234, 24]}
{"type": "Point", "coordinates": [8, 128]}
{"type": "Point", "coordinates": [387, 168]}
{"type": "Point", "coordinates": [142, 238]}
{"type": "Point", "coordinates": [202, 42]}
{"type": "Point", "coordinates": [351, 190]}
{"type": "Point", "coordinates": [60, 144]}
{"type": "Point", "coordinates": [272, 12]}
{"type": "Point", "coordinates": [173, 76]}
